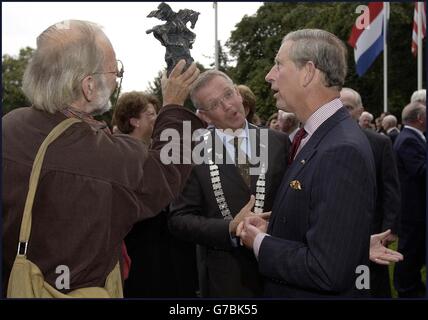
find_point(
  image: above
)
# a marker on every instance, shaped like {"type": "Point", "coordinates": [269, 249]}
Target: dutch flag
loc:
{"type": "Point", "coordinates": [368, 42]}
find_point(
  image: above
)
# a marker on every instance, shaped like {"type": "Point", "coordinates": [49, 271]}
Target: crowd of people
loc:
{"type": "Point", "coordinates": [332, 194]}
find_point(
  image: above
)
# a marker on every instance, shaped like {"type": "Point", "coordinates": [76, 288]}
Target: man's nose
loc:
{"type": "Point", "coordinates": [226, 105]}
{"type": "Point", "coordinates": [269, 77]}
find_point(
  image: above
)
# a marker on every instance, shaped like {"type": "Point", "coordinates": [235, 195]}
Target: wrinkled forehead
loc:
{"type": "Point", "coordinates": [216, 85]}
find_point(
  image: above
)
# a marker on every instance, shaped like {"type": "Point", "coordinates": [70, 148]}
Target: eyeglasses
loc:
{"type": "Point", "coordinates": [119, 74]}
{"type": "Point", "coordinates": [225, 98]}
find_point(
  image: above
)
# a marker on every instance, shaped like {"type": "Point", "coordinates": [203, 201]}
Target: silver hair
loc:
{"type": "Point", "coordinates": [282, 114]}
{"type": "Point", "coordinates": [324, 49]}
{"type": "Point", "coordinates": [419, 96]}
{"type": "Point", "coordinates": [356, 95]}
{"type": "Point", "coordinates": [288, 116]}
{"type": "Point", "coordinates": [390, 120]}
{"type": "Point", "coordinates": [412, 112]}
{"type": "Point", "coordinates": [66, 53]}
{"type": "Point", "coordinates": [203, 79]}
{"type": "Point", "coordinates": [368, 115]}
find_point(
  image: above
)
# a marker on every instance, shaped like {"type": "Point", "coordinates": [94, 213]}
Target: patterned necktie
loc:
{"type": "Point", "coordinates": [241, 161]}
{"type": "Point", "coordinates": [300, 135]}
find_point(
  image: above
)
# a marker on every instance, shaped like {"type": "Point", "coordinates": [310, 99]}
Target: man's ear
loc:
{"type": "Point", "coordinates": [309, 73]}
{"type": "Point", "coordinates": [241, 100]}
{"type": "Point", "coordinates": [421, 118]}
{"type": "Point", "coordinates": [88, 88]}
{"type": "Point", "coordinates": [134, 122]}
{"type": "Point", "coordinates": [204, 116]}
{"type": "Point", "coordinates": [361, 110]}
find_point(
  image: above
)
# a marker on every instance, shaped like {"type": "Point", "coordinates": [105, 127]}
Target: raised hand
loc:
{"type": "Point", "coordinates": [245, 212]}
{"type": "Point", "coordinates": [379, 253]}
{"type": "Point", "coordinates": [175, 88]}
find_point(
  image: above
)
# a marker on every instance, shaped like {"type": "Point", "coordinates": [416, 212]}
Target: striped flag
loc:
{"type": "Point", "coordinates": [415, 27]}
{"type": "Point", "coordinates": [368, 42]}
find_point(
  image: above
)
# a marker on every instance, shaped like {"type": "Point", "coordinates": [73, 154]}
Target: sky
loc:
{"type": "Point", "coordinates": [125, 24]}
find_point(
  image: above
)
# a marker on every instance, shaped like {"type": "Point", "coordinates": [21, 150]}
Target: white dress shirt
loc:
{"type": "Point", "coordinates": [291, 135]}
{"type": "Point", "coordinates": [227, 140]}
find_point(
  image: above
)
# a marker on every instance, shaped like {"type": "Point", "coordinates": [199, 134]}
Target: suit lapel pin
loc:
{"type": "Point", "coordinates": [303, 161]}
{"type": "Point", "coordinates": [295, 184]}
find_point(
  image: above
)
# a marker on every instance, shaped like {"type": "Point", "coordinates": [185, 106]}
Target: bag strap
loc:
{"type": "Point", "coordinates": [24, 234]}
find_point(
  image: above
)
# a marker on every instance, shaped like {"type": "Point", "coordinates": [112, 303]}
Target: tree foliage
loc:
{"type": "Point", "coordinates": [12, 71]}
{"type": "Point", "coordinates": [254, 44]}
{"type": "Point", "coordinates": [223, 59]}
{"type": "Point", "coordinates": [256, 39]}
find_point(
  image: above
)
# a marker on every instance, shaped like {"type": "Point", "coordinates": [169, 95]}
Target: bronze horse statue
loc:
{"type": "Point", "coordinates": [174, 34]}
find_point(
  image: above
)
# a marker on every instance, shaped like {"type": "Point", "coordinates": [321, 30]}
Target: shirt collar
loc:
{"type": "Point", "coordinates": [321, 115]}
{"type": "Point", "coordinates": [224, 136]}
{"type": "Point", "coordinates": [96, 125]}
{"type": "Point", "coordinates": [391, 129]}
{"type": "Point", "coordinates": [292, 134]}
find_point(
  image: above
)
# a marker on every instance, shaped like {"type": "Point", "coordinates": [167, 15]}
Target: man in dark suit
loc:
{"type": "Point", "coordinates": [389, 124]}
{"type": "Point", "coordinates": [388, 191]}
{"type": "Point", "coordinates": [319, 230]}
{"type": "Point", "coordinates": [214, 200]}
{"type": "Point", "coordinates": [410, 150]}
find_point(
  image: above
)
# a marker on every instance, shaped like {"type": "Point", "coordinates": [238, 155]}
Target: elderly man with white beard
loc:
{"type": "Point", "coordinates": [93, 186]}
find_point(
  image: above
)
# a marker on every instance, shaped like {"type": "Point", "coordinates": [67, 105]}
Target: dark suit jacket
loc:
{"type": "Point", "coordinates": [195, 216]}
{"type": "Point", "coordinates": [388, 199]}
{"type": "Point", "coordinates": [162, 265]}
{"type": "Point", "coordinates": [410, 152]}
{"type": "Point", "coordinates": [320, 233]}
{"type": "Point", "coordinates": [393, 134]}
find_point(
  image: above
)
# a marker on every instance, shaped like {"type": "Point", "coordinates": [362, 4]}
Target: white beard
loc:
{"type": "Point", "coordinates": [102, 104]}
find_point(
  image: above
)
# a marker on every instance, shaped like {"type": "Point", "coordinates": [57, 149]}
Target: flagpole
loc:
{"type": "Point", "coordinates": [216, 37]}
{"type": "Point", "coordinates": [385, 57]}
{"type": "Point", "coordinates": [420, 8]}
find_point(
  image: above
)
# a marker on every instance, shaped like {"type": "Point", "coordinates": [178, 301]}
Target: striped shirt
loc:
{"type": "Point", "coordinates": [318, 118]}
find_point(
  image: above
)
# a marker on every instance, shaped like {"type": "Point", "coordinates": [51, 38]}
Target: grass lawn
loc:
{"type": "Point", "coordinates": [391, 272]}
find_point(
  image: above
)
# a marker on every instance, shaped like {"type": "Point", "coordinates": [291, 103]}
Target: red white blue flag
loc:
{"type": "Point", "coordinates": [368, 41]}
{"type": "Point", "coordinates": [416, 29]}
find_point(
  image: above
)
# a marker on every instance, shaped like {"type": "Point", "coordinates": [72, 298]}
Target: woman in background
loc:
{"type": "Point", "coordinates": [162, 266]}
{"type": "Point", "coordinates": [135, 114]}
{"type": "Point", "coordinates": [273, 122]}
